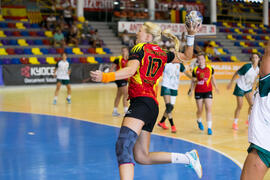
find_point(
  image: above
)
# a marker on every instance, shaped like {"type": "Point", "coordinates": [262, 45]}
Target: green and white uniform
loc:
{"type": "Point", "coordinates": [259, 123]}
{"type": "Point", "coordinates": [62, 71]}
{"type": "Point", "coordinates": [247, 76]}
{"type": "Point", "coordinates": [170, 82]}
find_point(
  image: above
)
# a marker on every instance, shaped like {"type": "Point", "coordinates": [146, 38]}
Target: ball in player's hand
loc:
{"type": "Point", "coordinates": [194, 17]}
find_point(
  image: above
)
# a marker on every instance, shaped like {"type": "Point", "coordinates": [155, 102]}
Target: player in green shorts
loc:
{"type": "Point", "coordinates": [248, 74]}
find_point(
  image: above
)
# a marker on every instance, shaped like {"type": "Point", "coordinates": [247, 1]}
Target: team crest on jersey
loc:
{"type": "Point", "coordinates": [202, 75]}
{"type": "Point", "coordinates": [155, 48]}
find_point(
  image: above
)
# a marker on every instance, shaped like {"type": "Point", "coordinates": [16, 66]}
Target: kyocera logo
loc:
{"type": "Point", "coordinates": [28, 71]}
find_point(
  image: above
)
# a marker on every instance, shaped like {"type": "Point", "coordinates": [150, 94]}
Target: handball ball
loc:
{"type": "Point", "coordinates": [195, 17]}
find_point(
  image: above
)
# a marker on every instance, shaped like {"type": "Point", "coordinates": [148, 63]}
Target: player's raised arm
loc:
{"type": "Point", "coordinates": [193, 26]}
{"type": "Point", "coordinates": [265, 63]}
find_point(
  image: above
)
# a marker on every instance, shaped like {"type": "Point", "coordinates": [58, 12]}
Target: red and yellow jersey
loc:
{"type": "Point", "coordinates": [120, 62]}
{"type": "Point", "coordinates": [152, 62]}
{"type": "Point", "coordinates": [204, 77]}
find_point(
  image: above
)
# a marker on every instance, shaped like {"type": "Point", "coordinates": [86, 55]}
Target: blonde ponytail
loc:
{"type": "Point", "coordinates": [167, 33]}
{"type": "Point", "coordinates": [156, 32]}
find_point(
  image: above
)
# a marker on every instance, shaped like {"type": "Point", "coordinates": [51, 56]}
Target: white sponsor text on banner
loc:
{"type": "Point", "coordinates": [176, 28]}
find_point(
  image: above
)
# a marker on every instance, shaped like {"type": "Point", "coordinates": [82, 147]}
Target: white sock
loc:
{"type": "Point", "coordinates": [180, 158]}
{"type": "Point", "coordinates": [235, 120]}
{"type": "Point", "coordinates": [125, 109]}
{"type": "Point", "coordinates": [209, 124]}
{"type": "Point", "coordinates": [115, 109]}
{"type": "Point", "coordinates": [69, 97]}
{"type": "Point", "coordinates": [55, 98]}
{"type": "Point", "coordinates": [199, 119]}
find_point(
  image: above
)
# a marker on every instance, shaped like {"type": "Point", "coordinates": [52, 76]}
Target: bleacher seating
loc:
{"type": "Point", "coordinates": [250, 38]}
{"type": "Point", "coordinates": [225, 54]}
{"type": "Point", "coordinates": [28, 43]}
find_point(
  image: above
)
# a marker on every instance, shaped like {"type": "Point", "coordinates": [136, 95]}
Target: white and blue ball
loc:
{"type": "Point", "coordinates": [195, 17]}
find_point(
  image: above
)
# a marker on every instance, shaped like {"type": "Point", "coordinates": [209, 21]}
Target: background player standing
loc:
{"type": "Point", "coordinates": [62, 72]}
{"type": "Point", "coordinates": [169, 91]}
{"type": "Point", "coordinates": [248, 74]}
{"type": "Point", "coordinates": [203, 78]}
{"type": "Point", "coordinates": [122, 85]}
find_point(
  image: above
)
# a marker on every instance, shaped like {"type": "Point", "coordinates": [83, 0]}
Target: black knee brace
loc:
{"type": "Point", "coordinates": [169, 108]}
{"type": "Point", "coordinates": [124, 145]}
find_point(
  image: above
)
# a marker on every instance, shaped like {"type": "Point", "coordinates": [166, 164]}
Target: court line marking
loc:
{"type": "Point", "coordinates": [183, 139]}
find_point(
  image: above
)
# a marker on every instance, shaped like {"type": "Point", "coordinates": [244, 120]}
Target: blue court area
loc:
{"type": "Point", "coordinates": [47, 147]}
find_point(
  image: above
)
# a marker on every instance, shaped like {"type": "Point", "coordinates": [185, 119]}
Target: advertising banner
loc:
{"type": "Point", "coordinates": [176, 28]}
{"type": "Point", "coordinates": [43, 74]}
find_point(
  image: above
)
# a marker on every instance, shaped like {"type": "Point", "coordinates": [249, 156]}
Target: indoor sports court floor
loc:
{"type": "Point", "coordinates": [40, 140]}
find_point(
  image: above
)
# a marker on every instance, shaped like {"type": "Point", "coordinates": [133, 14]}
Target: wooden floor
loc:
{"type": "Point", "coordinates": [95, 102]}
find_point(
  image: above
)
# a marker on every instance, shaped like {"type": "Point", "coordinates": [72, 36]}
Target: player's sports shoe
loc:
{"type": "Point", "coordinates": [163, 125]}
{"type": "Point", "coordinates": [68, 101]}
{"type": "Point", "coordinates": [54, 102]}
{"type": "Point", "coordinates": [194, 162]}
{"type": "Point", "coordinates": [115, 113]}
{"type": "Point", "coordinates": [209, 131]}
{"type": "Point", "coordinates": [200, 125]}
{"type": "Point", "coordinates": [235, 126]}
{"type": "Point", "coordinates": [173, 129]}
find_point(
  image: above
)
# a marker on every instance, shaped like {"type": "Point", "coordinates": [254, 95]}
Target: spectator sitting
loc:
{"type": "Point", "coordinates": [212, 52]}
{"type": "Point", "coordinates": [73, 35]}
{"type": "Point", "coordinates": [209, 50]}
{"type": "Point", "coordinates": [61, 22]}
{"type": "Point", "coordinates": [125, 38]}
{"type": "Point", "coordinates": [95, 40]}
{"type": "Point", "coordinates": [86, 30]}
{"type": "Point", "coordinates": [58, 38]}
{"type": "Point", "coordinates": [51, 22]}
{"type": "Point", "coordinates": [131, 43]}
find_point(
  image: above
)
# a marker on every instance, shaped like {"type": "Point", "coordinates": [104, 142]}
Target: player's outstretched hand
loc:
{"type": "Point", "coordinates": [96, 75]}
{"type": "Point", "coordinates": [193, 28]}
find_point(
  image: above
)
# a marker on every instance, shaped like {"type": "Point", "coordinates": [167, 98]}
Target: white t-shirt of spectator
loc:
{"type": "Point", "coordinates": [51, 18]}
{"type": "Point", "coordinates": [62, 68]}
{"type": "Point", "coordinates": [247, 76]}
{"type": "Point", "coordinates": [67, 13]}
{"type": "Point", "coordinates": [171, 75]}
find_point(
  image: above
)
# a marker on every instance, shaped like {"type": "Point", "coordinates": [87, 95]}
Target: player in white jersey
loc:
{"type": "Point", "coordinates": [169, 92]}
{"type": "Point", "coordinates": [258, 159]}
{"type": "Point", "coordinates": [62, 72]}
{"type": "Point", "coordinates": [244, 84]}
